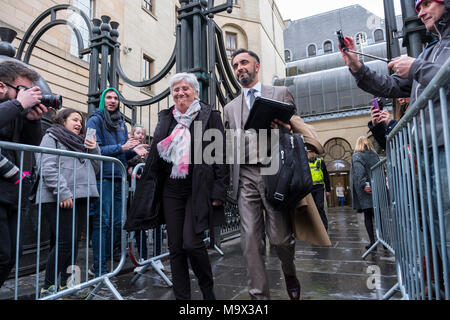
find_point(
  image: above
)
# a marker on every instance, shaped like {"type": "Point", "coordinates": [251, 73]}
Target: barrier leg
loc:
{"type": "Point", "coordinates": [158, 270]}
{"type": "Point", "coordinates": [370, 249]}
{"type": "Point", "coordinates": [94, 292]}
{"type": "Point", "coordinates": [218, 250]}
{"type": "Point", "coordinates": [152, 263]}
{"type": "Point", "coordinates": [113, 289]}
{"type": "Point", "coordinates": [391, 292]}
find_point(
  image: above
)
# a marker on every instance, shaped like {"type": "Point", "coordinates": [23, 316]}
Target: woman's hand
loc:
{"type": "Point", "coordinates": [385, 117]}
{"type": "Point", "coordinates": [368, 189]}
{"type": "Point", "coordinates": [217, 203]}
{"type": "Point", "coordinates": [91, 144]}
{"type": "Point", "coordinates": [66, 204]}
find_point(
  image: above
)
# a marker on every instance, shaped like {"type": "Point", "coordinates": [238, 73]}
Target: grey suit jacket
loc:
{"type": "Point", "coordinates": [236, 113]}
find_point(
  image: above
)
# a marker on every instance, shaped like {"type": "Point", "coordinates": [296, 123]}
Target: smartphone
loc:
{"type": "Point", "coordinates": [340, 36]}
{"type": "Point", "coordinates": [90, 134]}
{"type": "Point", "coordinates": [375, 104]}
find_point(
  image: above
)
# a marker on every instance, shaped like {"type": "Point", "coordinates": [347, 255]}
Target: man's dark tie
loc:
{"type": "Point", "coordinates": [251, 92]}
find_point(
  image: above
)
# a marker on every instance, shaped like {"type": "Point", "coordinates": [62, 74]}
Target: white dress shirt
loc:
{"type": "Point", "coordinates": [257, 93]}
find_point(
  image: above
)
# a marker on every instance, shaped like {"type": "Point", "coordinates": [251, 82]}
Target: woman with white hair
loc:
{"type": "Point", "coordinates": [188, 197]}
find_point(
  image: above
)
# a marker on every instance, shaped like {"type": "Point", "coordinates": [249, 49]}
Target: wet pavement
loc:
{"type": "Point", "coordinates": [326, 273]}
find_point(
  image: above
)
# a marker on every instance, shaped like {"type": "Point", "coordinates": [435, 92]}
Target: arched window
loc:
{"type": "Point", "coordinates": [287, 55]}
{"type": "Point", "coordinates": [378, 35]}
{"type": "Point", "coordinates": [327, 46]}
{"type": "Point", "coordinates": [312, 50]}
{"type": "Point", "coordinates": [338, 154]}
{"type": "Point", "coordinates": [361, 39]}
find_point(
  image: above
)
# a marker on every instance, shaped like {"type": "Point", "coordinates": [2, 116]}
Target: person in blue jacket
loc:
{"type": "Point", "coordinates": [112, 138]}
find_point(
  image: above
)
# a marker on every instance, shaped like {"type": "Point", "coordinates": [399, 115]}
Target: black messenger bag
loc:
{"type": "Point", "coordinates": [293, 180]}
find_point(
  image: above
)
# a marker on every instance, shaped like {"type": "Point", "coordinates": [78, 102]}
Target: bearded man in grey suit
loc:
{"type": "Point", "coordinates": [248, 185]}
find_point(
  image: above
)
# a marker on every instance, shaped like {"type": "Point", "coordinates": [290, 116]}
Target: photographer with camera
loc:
{"type": "Point", "coordinates": [21, 111]}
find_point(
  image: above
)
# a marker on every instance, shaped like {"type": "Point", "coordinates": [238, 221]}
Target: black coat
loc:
{"type": "Point", "coordinates": [209, 181]}
{"type": "Point", "coordinates": [15, 127]}
{"type": "Point", "coordinates": [381, 131]}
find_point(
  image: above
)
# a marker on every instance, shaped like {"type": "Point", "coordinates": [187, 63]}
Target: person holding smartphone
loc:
{"type": "Point", "coordinates": [57, 178]}
{"type": "Point", "coordinates": [382, 123]}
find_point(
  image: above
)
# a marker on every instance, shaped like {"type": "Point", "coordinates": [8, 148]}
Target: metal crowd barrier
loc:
{"type": "Point", "coordinates": [79, 281]}
{"type": "Point", "coordinates": [384, 223]}
{"type": "Point", "coordinates": [419, 195]}
{"type": "Point", "coordinates": [159, 251]}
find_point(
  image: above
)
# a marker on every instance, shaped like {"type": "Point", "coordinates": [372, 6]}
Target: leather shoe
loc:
{"type": "Point", "coordinates": [292, 286]}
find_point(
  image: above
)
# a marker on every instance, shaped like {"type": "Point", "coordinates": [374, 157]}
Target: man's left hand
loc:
{"type": "Point", "coordinates": [276, 122]}
{"type": "Point", "coordinates": [401, 65]}
{"type": "Point", "coordinates": [37, 112]}
{"type": "Point", "coordinates": [327, 194]}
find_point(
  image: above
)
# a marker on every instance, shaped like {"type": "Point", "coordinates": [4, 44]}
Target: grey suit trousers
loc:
{"type": "Point", "coordinates": [251, 203]}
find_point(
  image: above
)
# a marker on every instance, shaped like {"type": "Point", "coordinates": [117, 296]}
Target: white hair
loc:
{"type": "Point", "coordinates": [190, 78]}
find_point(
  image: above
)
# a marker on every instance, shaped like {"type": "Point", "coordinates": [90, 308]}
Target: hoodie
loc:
{"type": "Point", "coordinates": [110, 142]}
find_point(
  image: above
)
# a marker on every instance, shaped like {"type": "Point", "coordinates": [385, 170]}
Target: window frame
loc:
{"type": "Point", "coordinates": [227, 49]}
{"type": "Point", "coordinates": [366, 42]}
{"type": "Point", "coordinates": [374, 35]}
{"type": "Point", "coordinates": [315, 50]}
{"type": "Point", "coordinates": [147, 71]}
{"type": "Point", "coordinates": [332, 46]}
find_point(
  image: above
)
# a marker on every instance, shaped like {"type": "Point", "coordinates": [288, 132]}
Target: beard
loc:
{"type": "Point", "coordinates": [246, 78]}
{"type": "Point", "coordinates": [5, 98]}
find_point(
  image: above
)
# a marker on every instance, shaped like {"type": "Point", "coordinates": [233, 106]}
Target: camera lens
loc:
{"type": "Point", "coordinates": [54, 101]}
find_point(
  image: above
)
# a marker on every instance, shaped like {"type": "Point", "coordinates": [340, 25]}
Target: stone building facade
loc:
{"type": "Point", "coordinates": [147, 37]}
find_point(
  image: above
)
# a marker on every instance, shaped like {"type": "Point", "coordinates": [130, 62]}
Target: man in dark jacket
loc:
{"type": "Point", "coordinates": [411, 77]}
{"type": "Point", "coordinates": [21, 112]}
{"type": "Point", "coordinates": [112, 138]}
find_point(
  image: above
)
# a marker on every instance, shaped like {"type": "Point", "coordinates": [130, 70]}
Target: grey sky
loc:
{"type": "Point", "coordinates": [297, 9]}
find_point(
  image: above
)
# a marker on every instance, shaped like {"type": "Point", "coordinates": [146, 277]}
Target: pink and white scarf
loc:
{"type": "Point", "coordinates": [176, 147]}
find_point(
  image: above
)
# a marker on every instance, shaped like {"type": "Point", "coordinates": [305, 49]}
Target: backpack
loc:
{"type": "Point", "coordinates": [293, 180]}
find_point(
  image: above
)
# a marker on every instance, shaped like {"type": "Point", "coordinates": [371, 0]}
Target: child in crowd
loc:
{"type": "Point", "coordinates": [139, 133]}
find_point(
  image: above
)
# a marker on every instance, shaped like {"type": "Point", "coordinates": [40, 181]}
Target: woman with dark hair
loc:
{"type": "Point", "coordinates": [188, 196]}
{"type": "Point", "coordinates": [64, 201]}
{"type": "Point", "coordinates": [362, 160]}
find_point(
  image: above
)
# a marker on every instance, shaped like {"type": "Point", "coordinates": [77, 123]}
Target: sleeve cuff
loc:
{"type": "Point", "coordinates": [18, 105]}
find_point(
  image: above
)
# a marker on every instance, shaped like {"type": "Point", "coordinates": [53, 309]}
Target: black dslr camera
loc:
{"type": "Point", "coordinates": [52, 100]}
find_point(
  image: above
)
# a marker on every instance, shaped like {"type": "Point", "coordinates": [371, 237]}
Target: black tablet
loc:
{"type": "Point", "coordinates": [265, 110]}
